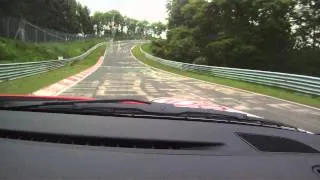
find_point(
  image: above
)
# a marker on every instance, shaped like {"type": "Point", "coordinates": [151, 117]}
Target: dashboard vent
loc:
{"type": "Point", "coordinates": [106, 141]}
{"type": "Point", "coordinates": [276, 144]}
{"type": "Point", "coordinates": [316, 169]}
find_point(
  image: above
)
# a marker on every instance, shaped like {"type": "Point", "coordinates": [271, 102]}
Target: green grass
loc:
{"type": "Point", "coordinates": [267, 90]}
{"type": "Point", "coordinates": [12, 51]}
{"type": "Point", "coordinates": [33, 83]}
{"type": "Point", "coordinates": [147, 48]}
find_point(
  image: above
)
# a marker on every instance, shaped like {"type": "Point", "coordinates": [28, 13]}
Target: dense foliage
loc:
{"type": "Point", "coordinates": [275, 35]}
{"type": "Point", "coordinates": [125, 27]}
{"type": "Point", "coordinates": [62, 15]}
{"type": "Point", "coordinates": [72, 17]}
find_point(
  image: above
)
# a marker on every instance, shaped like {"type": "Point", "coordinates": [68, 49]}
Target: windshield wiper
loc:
{"type": "Point", "coordinates": [26, 104]}
{"type": "Point", "coordinates": [111, 107]}
{"type": "Point", "coordinates": [134, 108]}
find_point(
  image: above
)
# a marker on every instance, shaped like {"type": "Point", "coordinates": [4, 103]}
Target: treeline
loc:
{"type": "Point", "coordinates": [125, 27]}
{"type": "Point", "coordinates": [71, 17]}
{"type": "Point", "coordinates": [274, 35]}
{"type": "Point", "coordinates": [62, 15]}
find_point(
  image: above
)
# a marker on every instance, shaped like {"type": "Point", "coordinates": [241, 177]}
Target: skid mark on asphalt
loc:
{"type": "Point", "coordinates": [121, 76]}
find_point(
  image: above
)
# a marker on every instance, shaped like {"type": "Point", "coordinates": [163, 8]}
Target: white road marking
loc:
{"type": "Point", "coordinates": [124, 67]}
{"type": "Point", "coordinates": [81, 88]}
{"type": "Point", "coordinates": [244, 92]}
{"type": "Point", "coordinates": [119, 48]}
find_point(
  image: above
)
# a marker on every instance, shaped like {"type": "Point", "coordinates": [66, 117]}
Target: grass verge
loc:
{"type": "Point", "coordinates": [262, 89]}
{"type": "Point", "coordinates": [12, 51]}
{"type": "Point", "coordinates": [33, 83]}
{"type": "Point", "coordinates": [147, 48]}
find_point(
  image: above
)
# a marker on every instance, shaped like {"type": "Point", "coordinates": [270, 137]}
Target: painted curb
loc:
{"type": "Point", "coordinates": [62, 85]}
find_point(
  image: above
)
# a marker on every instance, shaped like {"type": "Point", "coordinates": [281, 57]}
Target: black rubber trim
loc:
{"type": "Point", "coordinates": [106, 141]}
{"type": "Point", "coordinates": [276, 144]}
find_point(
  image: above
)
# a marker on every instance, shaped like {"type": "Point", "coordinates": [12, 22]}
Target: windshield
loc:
{"type": "Point", "coordinates": [256, 57]}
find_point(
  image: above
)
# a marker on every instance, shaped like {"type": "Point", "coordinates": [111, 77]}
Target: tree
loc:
{"type": "Point", "coordinates": [176, 18]}
{"type": "Point", "coordinates": [142, 28]}
{"type": "Point", "coordinates": [97, 20]}
{"type": "Point", "coordinates": [108, 21]}
{"type": "Point", "coordinates": [158, 28]}
{"type": "Point", "coordinates": [132, 26]}
{"type": "Point", "coordinates": [306, 22]}
{"type": "Point", "coordinates": [61, 15]}
{"type": "Point", "coordinates": [85, 19]}
{"type": "Point", "coordinates": [254, 34]}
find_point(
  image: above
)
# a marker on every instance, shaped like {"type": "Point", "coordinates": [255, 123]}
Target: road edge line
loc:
{"type": "Point", "coordinates": [59, 87]}
{"type": "Point", "coordinates": [318, 109]}
{"type": "Point", "coordinates": [94, 67]}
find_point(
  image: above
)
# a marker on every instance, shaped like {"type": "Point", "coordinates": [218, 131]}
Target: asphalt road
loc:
{"type": "Point", "coordinates": [122, 76]}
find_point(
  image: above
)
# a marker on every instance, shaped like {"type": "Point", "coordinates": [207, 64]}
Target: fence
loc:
{"type": "Point", "coordinates": [300, 83]}
{"type": "Point", "coordinates": [23, 30]}
{"type": "Point", "coordinates": [19, 70]}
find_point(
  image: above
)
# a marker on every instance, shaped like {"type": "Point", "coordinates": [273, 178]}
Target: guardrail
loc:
{"type": "Point", "coordinates": [18, 70]}
{"type": "Point", "coordinates": [300, 83]}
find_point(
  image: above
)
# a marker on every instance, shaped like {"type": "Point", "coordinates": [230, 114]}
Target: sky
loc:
{"type": "Point", "coordinates": [150, 10]}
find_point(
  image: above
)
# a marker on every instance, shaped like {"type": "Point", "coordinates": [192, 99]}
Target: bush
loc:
{"type": "Point", "coordinates": [201, 61]}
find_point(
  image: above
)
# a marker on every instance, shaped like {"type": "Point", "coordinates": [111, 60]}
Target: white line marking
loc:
{"type": "Point", "coordinates": [318, 109]}
{"type": "Point", "coordinates": [119, 47]}
{"type": "Point", "coordinates": [105, 52]}
{"type": "Point", "coordinates": [121, 67]}
{"type": "Point", "coordinates": [95, 69]}
{"type": "Point", "coordinates": [84, 88]}
{"type": "Point", "coordinates": [78, 81]}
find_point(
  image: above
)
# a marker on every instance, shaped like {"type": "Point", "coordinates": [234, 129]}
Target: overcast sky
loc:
{"type": "Point", "coordinates": [150, 10]}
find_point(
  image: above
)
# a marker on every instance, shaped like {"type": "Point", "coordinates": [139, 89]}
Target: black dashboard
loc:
{"type": "Point", "coordinates": [37, 145]}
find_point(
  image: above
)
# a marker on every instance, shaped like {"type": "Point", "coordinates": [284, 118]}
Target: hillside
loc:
{"type": "Point", "coordinates": [16, 51]}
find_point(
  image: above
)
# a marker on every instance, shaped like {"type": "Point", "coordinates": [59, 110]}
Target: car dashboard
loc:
{"type": "Point", "coordinates": [37, 145]}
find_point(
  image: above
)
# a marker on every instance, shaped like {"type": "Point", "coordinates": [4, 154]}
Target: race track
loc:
{"type": "Point", "coordinates": [122, 76]}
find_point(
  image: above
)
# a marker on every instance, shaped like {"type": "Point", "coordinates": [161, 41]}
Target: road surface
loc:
{"type": "Point", "coordinates": [122, 76]}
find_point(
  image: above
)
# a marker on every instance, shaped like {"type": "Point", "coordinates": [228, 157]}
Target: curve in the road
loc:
{"type": "Point", "coordinates": [122, 76]}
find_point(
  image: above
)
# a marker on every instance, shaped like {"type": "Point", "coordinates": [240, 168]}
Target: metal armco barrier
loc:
{"type": "Point", "coordinates": [18, 70]}
{"type": "Point", "coordinates": [300, 83]}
